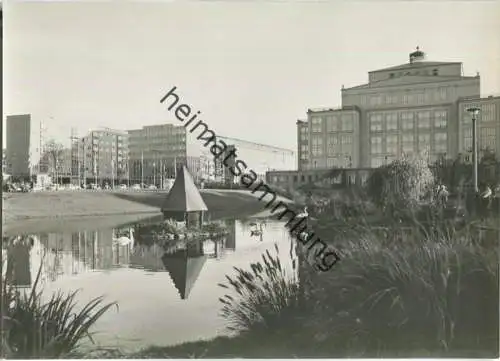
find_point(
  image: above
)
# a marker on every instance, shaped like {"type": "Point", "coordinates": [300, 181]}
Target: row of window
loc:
{"type": "Point", "coordinates": [413, 97]}
{"type": "Point", "coordinates": [408, 143]}
{"type": "Point", "coordinates": [334, 123]}
{"type": "Point", "coordinates": [487, 112]}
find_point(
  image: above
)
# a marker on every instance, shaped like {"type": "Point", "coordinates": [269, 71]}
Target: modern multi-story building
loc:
{"type": "Point", "coordinates": [157, 151]}
{"type": "Point", "coordinates": [417, 107]}
{"type": "Point", "coordinates": [102, 156]}
{"type": "Point", "coordinates": [23, 146]}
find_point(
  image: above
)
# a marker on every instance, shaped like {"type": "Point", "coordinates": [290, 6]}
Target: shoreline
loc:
{"type": "Point", "coordinates": [24, 212]}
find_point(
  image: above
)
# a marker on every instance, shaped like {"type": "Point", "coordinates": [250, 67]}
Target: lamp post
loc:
{"type": "Point", "coordinates": [474, 111]}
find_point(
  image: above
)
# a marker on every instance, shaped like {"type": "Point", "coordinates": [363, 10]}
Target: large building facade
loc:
{"type": "Point", "coordinates": [415, 108]}
{"type": "Point", "coordinates": [23, 146]}
{"type": "Point", "coordinates": [157, 151]}
{"type": "Point", "coordinates": [100, 157]}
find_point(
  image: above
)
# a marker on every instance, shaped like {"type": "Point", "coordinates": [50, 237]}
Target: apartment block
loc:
{"type": "Point", "coordinates": [156, 151]}
{"type": "Point", "coordinates": [101, 157]}
{"type": "Point", "coordinates": [22, 146]}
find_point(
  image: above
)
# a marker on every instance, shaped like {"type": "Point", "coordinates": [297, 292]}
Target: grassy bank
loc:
{"type": "Point", "coordinates": [56, 207]}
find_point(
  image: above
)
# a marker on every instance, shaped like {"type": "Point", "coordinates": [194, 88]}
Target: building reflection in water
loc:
{"type": "Point", "coordinates": [61, 254]}
{"type": "Point", "coordinates": [66, 254]}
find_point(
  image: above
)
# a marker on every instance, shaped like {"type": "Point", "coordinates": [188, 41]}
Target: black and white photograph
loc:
{"type": "Point", "coordinates": [273, 179]}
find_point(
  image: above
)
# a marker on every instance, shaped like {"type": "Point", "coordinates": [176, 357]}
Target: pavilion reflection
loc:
{"type": "Point", "coordinates": [186, 260]}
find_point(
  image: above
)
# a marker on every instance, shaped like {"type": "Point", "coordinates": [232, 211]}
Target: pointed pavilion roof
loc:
{"type": "Point", "coordinates": [184, 196]}
{"type": "Point", "coordinates": [184, 270]}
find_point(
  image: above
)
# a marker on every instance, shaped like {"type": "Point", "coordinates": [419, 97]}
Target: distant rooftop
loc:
{"type": "Point", "coordinates": [416, 60]}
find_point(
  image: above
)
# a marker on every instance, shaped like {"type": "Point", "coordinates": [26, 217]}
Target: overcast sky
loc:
{"type": "Point", "coordinates": [252, 69]}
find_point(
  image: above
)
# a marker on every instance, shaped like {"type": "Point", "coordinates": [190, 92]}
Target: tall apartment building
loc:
{"type": "Point", "coordinates": [156, 151]}
{"type": "Point", "coordinates": [23, 146]}
{"type": "Point", "coordinates": [405, 109]}
{"type": "Point", "coordinates": [102, 156]}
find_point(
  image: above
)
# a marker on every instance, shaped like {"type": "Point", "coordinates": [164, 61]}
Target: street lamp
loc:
{"type": "Point", "coordinates": [474, 111]}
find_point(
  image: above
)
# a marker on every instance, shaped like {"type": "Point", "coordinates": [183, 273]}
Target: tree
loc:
{"type": "Point", "coordinates": [55, 151]}
{"type": "Point", "coordinates": [402, 184]}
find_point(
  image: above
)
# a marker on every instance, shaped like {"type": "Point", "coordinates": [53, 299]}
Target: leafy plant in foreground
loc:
{"type": "Point", "coordinates": [51, 329]}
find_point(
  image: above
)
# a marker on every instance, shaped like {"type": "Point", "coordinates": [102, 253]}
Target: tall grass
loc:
{"type": "Point", "coordinates": [32, 328]}
{"type": "Point", "coordinates": [425, 287]}
{"type": "Point", "coordinates": [267, 298]}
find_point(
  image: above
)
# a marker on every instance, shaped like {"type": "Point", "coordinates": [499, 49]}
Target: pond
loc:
{"type": "Point", "coordinates": [162, 300]}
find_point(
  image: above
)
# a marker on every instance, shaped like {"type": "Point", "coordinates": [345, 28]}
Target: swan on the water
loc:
{"type": "Point", "coordinates": [304, 214]}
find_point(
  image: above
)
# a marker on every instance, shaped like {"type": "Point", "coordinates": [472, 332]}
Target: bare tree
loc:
{"type": "Point", "coordinates": [54, 150]}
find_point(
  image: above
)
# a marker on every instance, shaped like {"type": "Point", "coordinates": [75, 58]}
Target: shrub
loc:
{"type": "Point", "coordinates": [403, 184]}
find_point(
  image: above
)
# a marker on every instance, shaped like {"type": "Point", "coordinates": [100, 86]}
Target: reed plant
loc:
{"type": "Point", "coordinates": [34, 328]}
{"type": "Point", "coordinates": [266, 299]}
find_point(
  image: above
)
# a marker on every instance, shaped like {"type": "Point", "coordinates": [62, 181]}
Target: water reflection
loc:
{"type": "Point", "coordinates": [165, 296]}
{"type": "Point", "coordinates": [65, 254]}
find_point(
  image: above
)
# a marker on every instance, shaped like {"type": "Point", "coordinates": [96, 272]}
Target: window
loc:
{"type": "Point", "coordinates": [317, 145]}
{"type": "Point", "coordinates": [407, 145]}
{"type": "Point", "coordinates": [440, 119]}
{"type": "Point", "coordinates": [377, 162]}
{"type": "Point", "coordinates": [424, 123]}
{"type": "Point", "coordinates": [487, 113]}
{"type": "Point", "coordinates": [375, 100]}
{"type": "Point", "coordinates": [316, 123]}
{"type": "Point", "coordinates": [332, 123]}
{"type": "Point", "coordinates": [407, 124]}
{"type": "Point", "coordinates": [376, 145]}
{"type": "Point", "coordinates": [419, 98]}
{"type": "Point", "coordinates": [440, 143]}
{"type": "Point", "coordinates": [332, 144]}
{"type": "Point", "coordinates": [346, 139]}
{"type": "Point", "coordinates": [487, 132]}
{"type": "Point", "coordinates": [424, 115]}
{"type": "Point", "coordinates": [406, 115]}
{"type": "Point", "coordinates": [434, 72]}
{"type": "Point", "coordinates": [488, 138]}
{"type": "Point", "coordinates": [441, 94]}
{"type": "Point", "coordinates": [391, 144]}
{"type": "Point", "coordinates": [424, 142]}
{"type": "Point", "coordinates": [391, 120]}
{"type": "Point", "coordinates": [347, 122]}
{"type": "Point", "coordinates": [331, 162]}
{"type": "Point", "coordinates": [391, 98]}
{"type": "Point", "coordinates": [375, 122]}
{"type": "Point", "coordinates": [440, 137]}
{"type": "Point", "coordinates": [391, 75]}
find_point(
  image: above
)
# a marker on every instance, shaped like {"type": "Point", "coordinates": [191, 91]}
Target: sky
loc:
{"type": "Point", "coordinates": [251, 68]}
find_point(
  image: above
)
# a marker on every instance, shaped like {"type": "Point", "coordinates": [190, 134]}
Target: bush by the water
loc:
{"type": "Point", "coordinates": [402, 184]}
